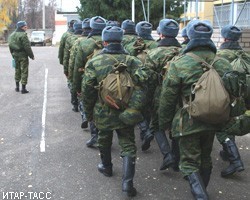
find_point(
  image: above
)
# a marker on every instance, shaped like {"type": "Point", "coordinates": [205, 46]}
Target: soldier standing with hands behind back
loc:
{"type": "Point", "coordinates": [20, 50]}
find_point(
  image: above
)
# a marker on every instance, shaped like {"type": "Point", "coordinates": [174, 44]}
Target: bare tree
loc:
{"type": "Point", "coordinates": [50, 15]}
{"type": "Point", "coordinates": [33, 13]}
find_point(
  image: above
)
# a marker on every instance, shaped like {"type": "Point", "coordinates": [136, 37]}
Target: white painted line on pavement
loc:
{"type": "Point", "coordinates": [42, 142]}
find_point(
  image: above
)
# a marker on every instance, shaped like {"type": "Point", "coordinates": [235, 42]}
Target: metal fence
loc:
{"type": "Point", "coordinates": [226, 14]}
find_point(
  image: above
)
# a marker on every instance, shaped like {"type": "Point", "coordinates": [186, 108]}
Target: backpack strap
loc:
{"type": "Point", "coordinates": [99, 46]}
{"type": "Point", "coordinates": [186, 103]}
{"type": "Point", "coordinates": [97, 42]}
{"type": "Point", "coordinates": [117, 74]}
{"type": "Point", "coordinates": [203, 62]}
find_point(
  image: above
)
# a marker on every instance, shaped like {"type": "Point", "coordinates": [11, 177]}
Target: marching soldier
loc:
{"type": "Point", "coordinates": [157, 58]}
{"type": "Point", "coordinates": [107, 119]}
{"type": "Point", "coordinates": [195, 137]}
{"type": "Point", "coordinates": [87, 49]}
{"type": "Point", "coordinates": [230, 49]}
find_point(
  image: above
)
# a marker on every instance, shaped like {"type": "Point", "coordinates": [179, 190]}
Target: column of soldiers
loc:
{"type": "Point", "coordinates": [163, 73]}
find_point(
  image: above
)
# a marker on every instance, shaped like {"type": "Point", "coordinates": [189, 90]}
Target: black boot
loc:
{"type": "Point", "coordinates": [75, 108]}
{"type": "Point", "coordinates": [165, 149]}
{"type": "Point", "coordinates": [74, 102]}
{"type": "Point", "coordinates": [24, 91]}
{"type": "Point", "coordinates": [83, 115]}
{"type": "Point", "coordinates": [236, 164]}
{"type": "Point", "coordinates": [205, 175]}
{"type": "Point", "coordinates": [197, 187]}
{"type": "Point", "coordinates": [106, 166]}
{"type": "Point", "coordinates": [146, 135]}
{"type": "Point", "coordinates": [94, 135]}
{"type": "Point", "coordinates": [17, 87]}
{"type": "Point", "coordinates": [176, 154]}
{"type": "Point", "coordinates": [223, 155]}
{"type": "Point", "coordinates": [128, 175]}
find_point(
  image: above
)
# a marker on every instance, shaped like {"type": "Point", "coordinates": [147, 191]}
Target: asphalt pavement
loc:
{"type": "Point", "coordinates": [43, 153]}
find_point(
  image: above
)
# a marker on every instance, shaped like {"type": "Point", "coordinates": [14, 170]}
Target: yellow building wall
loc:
{"type": "Point", "coordinates": [226, 1]}
{"type": "Point", "coordinates": [205, 12]}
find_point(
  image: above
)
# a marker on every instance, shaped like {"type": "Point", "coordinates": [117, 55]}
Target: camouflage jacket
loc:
{"type": "Point", "coordinates": [127, 39]}
{"type": "Point", "coordinates": [75, 75]}
{"type": "Point", "coordinates": [182, 73]}
{"type": "Point", "coordinates": [96, 70]}
{"type": "Point", "coordinates": [156, 61]}
{"type": "Point", "coordinates": [72, 57]}
{"type": "Point", "coordinates": [68, 45]}
{"type": "Point", "coordinates": [228, 54]}
{"type": "Point", "coordinates": [85, 52]}
{"type": "Point", "coordinates": [62, 45]}
{"type": "Point", "coordinates": [229, 49]}
{"type": "Point", "coordinates": [134, 48]}
{"type": "Point", "coordinates": [19, 44]}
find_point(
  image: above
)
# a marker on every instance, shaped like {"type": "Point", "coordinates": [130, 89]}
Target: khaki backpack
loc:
{"type": "Point", "coordinates": [242, 64]}
{"type": "Point", "coordinates": [248, 91]}
{"type": "Point", "coordinates": [211, 103]}
{"type": "Point", "coordinates": [116, 88]}
{"type": "Point", "coordinates": [141, 49]}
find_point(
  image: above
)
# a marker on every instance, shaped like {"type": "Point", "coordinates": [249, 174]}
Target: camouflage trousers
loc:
{"type": "Point", "coordinates": [154, 125]}
{"type": "Point", "coordinates": [126, 139]}
{"type": "Point", "coordinates": [195, 152]}
{"type": "Point", "coordinates": [22, 70]}
{"type": "Point", "coordinates": [237, 126]}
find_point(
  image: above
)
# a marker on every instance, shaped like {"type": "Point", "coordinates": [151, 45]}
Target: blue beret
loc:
{"type": "Point", "coordinates": [21, 24]}
{"type": "Point", "coordinates": [231, 32]}
{"type": "Point", "coordinates": [97, 23]}
{"type": "Point", "coordinates": [112, 34]}
{"type": "Point", "coordinates": [86, 23]}
{"type": "Point", "coordinates": [77, 25]}
{"type": "Point", "coordinates": [128, 25]}
{"type": "Point", "coordinates": [199, 29]}
{"type": "Point", "coordinates": [143, 28]}
{"type": "Point", "coordinates": [169, 27]}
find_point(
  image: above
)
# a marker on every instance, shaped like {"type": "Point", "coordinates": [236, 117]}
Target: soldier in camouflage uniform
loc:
{"type": "Point", "coordinates": [63, 40]}
{"type": "Point", "coordinates": [77, 26]}
{"type": "Point", "coordinates": [228, 50]}
{"type": "Point", "coordinates": [139, 48]}
{"type": "Point", "coordinates": [144, 41]}
{"type": "Point", "coordinates": [156, 59]}
{"type": "Point", "coordinates": [85, 32]}
{"type": "Point", "coordinates": [129, 32]}
{"type": "Point", "coordinates": [196, 137]}
{"type": "Point", "coordinates": [86, 50]}
{"type": "Point", "coordinates": [20, 50]}
{"type": "Point", "coordinates": [106, 118]}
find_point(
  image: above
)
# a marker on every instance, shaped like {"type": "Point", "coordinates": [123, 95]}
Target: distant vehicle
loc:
{"type": "Point", "coordinates": [37, 37]}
